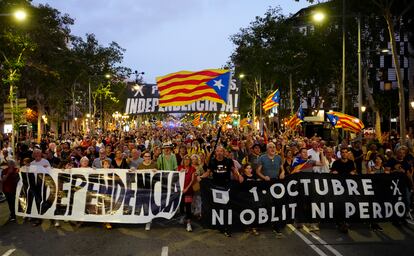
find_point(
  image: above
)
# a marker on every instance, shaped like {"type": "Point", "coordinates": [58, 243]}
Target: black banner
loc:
{"type": "Point", "coordinates": [144, 99]}
{"type": "Point", "coordinates": [305, 197]}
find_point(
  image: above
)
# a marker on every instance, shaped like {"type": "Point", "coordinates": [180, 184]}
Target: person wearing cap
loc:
{"type": "Point", "coordinates": [167, 160]}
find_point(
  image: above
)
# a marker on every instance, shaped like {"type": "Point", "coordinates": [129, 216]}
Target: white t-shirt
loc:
{"type": "Point", "coordinates": [43, 162]}
{"type": "Point", "coordinates": [315, 156]}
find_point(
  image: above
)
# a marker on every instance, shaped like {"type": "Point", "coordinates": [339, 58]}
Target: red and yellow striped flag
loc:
{"type": "Point", "coordinates": [347, 122]}
{"type": "Point", "coordinates": [186, 87]}
{"type": "Point", "coordinates": [272, 100]}
{"type": "Point", "coordinates": [197, 119]}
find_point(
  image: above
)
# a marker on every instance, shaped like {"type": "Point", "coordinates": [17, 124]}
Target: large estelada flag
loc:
{"type": "Point", "coordinates": [272, 100]}
{"type": "Point", "coordinates": [186, 87]}
{"type": "Point", "coordinates": [344, 121]}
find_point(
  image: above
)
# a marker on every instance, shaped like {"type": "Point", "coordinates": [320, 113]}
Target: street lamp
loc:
{"type": "Point", "coordinates": [318, 16]}
{"type": "Point", "coordinates": [19, 15]}
{"type": "Point", "coordinates": [412, 104]}
{"type": "Point", "coordinates": [363, 109]}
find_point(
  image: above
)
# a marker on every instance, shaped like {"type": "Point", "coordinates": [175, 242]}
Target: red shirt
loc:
{"type": "Point", "coordinates": [10, 183]}
{"type": "Point", "coordinates": [188, 176]}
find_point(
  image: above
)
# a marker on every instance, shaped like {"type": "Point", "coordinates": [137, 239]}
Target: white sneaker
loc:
{"type": "Point", "coordinates": [189, 228]}
{"type": "Point", "coordinates": [57, 224]}
{"type": "Point", "coordinates": [148, 226]}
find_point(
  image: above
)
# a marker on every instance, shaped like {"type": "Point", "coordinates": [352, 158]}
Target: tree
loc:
{"type": "Point", "coordinates": [396, 14]}
{"type": "Point", "coordinates": [271, 48]}
{"type": "Point", "coordinates": [16, 47]}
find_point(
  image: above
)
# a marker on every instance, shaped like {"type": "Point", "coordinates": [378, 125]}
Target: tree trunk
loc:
{"type": "Point", "coordinates": [371, 102]}
{"type": "Point", "coordinates": [388, 18]}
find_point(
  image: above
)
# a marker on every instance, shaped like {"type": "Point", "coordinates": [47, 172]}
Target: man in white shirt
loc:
{"type": "Point", "coordinates": [39, 160]}
{"type": "Point", "coordinates": [315, 155]}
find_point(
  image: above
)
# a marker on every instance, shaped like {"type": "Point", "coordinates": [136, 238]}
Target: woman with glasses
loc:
{"type": "Point", "coordinates": [147, 164]}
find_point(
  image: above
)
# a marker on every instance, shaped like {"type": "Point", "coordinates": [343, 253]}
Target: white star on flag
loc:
{"type": "Point", "coordinates": [218, 84]}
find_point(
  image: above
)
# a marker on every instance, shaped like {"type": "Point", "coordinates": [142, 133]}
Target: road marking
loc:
{"type": "Point", "coordinates": [164, 251]}
{"type": "Point", "coordinates": [322, 242]}
{"type": "Point", "coordinates": [8, 253]}
{"type": "Point", "coordinates": [307, 241]}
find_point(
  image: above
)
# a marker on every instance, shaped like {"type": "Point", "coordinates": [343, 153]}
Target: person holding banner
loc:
{"type": "Point", "coordinates": [188, 192]}
{"type": "Point", "coordinates": [270, 167]}
{"type": "Point", "coordinates": [119, 162]}
{"type": "Point", "coordinates": [135, 160]}
{"type": "Point", "coordinates": [167, 160]}
{"type": "Point", "coordinates": [222, 169]}
{"type": "Point", "coordinates": [10, 177]}
{"type": "Point", "coordinates": [343, 166]}
{"type": "Point", "coordinates": [98, 162]}
{"type": "Point", "coordinates": [147, 164]}
{"type": "Point", "coordinates": [199, 170]}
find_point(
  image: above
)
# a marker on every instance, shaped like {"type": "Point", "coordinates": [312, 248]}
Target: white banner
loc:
{"type": "Point", "coordinates": [98, 195]}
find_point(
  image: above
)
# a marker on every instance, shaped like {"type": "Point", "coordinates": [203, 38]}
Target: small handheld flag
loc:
{"type": "Point", "coordinates": [296, 119]}
{"type": "Point", "coordinates": [272, 100]}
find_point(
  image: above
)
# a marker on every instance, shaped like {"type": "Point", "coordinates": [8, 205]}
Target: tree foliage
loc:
{"type": "Point", "coordinates": [52, 67]}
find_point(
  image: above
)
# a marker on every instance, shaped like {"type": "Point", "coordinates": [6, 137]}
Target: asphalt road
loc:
{"type": "Point", "coordinates": [167, 237]}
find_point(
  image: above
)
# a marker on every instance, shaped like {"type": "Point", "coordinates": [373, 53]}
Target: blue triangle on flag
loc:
{"type": "Point", "coordinates": [276, 97]}
{"type": "Point", "coordinates": [332, 119]}
{"type": "Point", "coordinates": [221, 84]}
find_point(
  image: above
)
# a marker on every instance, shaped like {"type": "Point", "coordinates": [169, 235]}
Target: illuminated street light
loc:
{"type": "Point", "coordinates": [412, 104]}
{"type": "Point", "coordinates": [318, 16]}
{"type": "Point", "coordinates": [20, 15]}
{"type": "Point", "coordinates": [107, 76]}
{"type": "Point", "coordinates": [241, 76]}
{"type": "Point", "coordinates": [363, 109]}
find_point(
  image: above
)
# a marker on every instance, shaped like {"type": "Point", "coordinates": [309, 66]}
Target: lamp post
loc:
{"type": "Point", "coordinates": [19, 15]}
{"type": "Point", "coordinates": [320, 17]}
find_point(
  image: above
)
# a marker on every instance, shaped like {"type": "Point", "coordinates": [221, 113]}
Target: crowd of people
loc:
{"type": "Point", "coordinates": [240, 154]}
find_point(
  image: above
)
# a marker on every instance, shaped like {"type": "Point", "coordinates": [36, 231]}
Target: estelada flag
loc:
{"type": "Point", "coordinates": [197, 119]}
{"type": "Point", "coordinates": [344, 121]}
{"type": "Point", "coordinates": [272, 100]}
{"type": "Point", "coordinates": [296, 119]}
{"type": "Point", "coordinates": [245, 122]}
{"type": "Point", "coordinates": [300, 165]}
{"type": "Point", "coordinates": [186, 87]}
